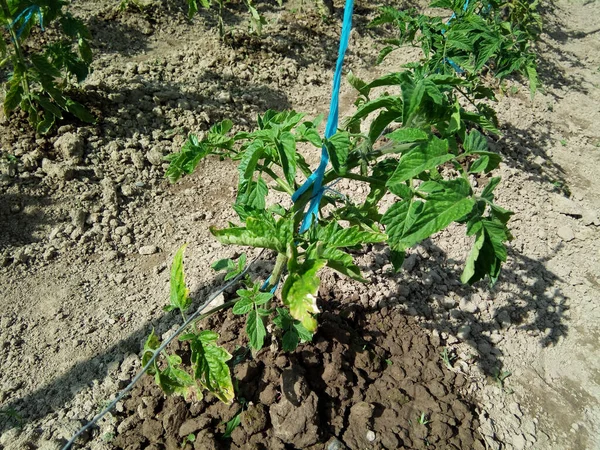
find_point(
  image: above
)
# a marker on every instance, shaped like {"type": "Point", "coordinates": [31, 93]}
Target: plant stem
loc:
{"type": "Point", "coordinates": [370, 180]}
{"type": "Point", "coordinates": [282, 183]}
{"type": "Point", "coordinates": [280, 265]}
{"type": "Point", "coordinates": [19, 58]}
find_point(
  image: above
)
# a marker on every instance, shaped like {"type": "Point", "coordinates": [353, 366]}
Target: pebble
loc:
{"type": "Point", "coordinates": [370, 436]}
{"type": "Point", "coordinates": [155, 156]}
{"type": "Point", "coordinates": [565, 233]}
{"type": "Point", "coordinates": [464, 332]}
{"type": "Point", "coordinates": [410, 262]}
{"type": "Point", "coordinates": [519, 442]}
{"type": "Point", "coordinates": [148, 250]}
{"type": "Point", "coordinates": [566, 206]}
{"type": "Point", "coordinates": [468, 306]}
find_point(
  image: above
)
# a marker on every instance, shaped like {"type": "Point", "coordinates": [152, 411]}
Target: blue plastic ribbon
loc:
{"type": "Point", "coordinates": [316, 178]}
{"type": "Point", "coordinates": [455, 66]}
{"type": "Point", "coordinates": [27, 13]}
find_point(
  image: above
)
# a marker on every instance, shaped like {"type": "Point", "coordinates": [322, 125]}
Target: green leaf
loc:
{"type": "Point", "coordinates": [256, 330]}
{"type": "Point", "coordinates": [79, 111]}
{"type": "Point", "coordinates": [407, 135]}
{"type": "Point", "coordinates": [13, 96]}
{"type": "Point", "coordinates": [336, 236]}
{"type": "Point", "coordinates": [45, 125]}
{"type": "Point", "coordinates": [193, 8]}
{"type": "Point", "coordinates": [409, 222]}
{"type": "Point", "coordinates": [286, 148]}
{"type": "Point", "coordinates": [299, 293]}
{"type": "Point", "coordinates": [250, 158]}
{"type": "Point", "coordinates": [425, 157]}
{"type": "Point", "coordinates": [293, 330]}
{"type": "Point", "coordinates": [475, 142]}
{"type": "Point", "coordinates": [384, 52]}
{"type": "Point", "coordinates": [341, 262]}
{"type": "Point", "coordinates": [41, 63]}
{"type": "Point", "coordinates": [174, 380]}
{"type": "Point", "coordinates": [381, 122]}
{"type": "Point", "coordinates": [243, 305]}
{"type": "Point", "coordinates": [223, 264]}
{"type": "Point", "coordinates": [338, 147]}
{"type": "Point", "coordinates": [397, 259]}
{"type": "Point", "coordinates": [179, 293]}
{"type": "Point", "coordinates": [470, 270]}
{"type": "Point", "coordinates": [232, 425]}
{"type": "Point", "coordinates": [150, 346]}
{"type": "Point", "coordinates": [210, 364]}
{"type": "Point", "coordinates": [488, 252]}
{"type": "Point", "coordinates": [243, 236]}
{"type": "Point", "coordinates": [487, 192]}
{"type": "Point", "coordinates": [479, 164]}
{"type": "Point", "coordinates": [355, 82]}
{"type": "Point", "coordinates": [290, 340]}
{"type": "Point", "coordinates": [262, 297]}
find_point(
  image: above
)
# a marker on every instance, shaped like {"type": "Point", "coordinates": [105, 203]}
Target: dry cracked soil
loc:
{"type": "Point", "coordinates": [89, 225]}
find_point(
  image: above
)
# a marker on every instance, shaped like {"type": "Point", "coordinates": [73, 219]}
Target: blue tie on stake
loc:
{"type": "Point", "coordinates": [316, 178]}
{"type": "Point", "coordinates": [455, 66]}
{"type": "Point", "coordinates": [27, 13]}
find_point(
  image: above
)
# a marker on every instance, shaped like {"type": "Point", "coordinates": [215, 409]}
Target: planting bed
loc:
{"type": "Point", "coordinates": [363, 382]}
{"type": "Point", "coordinates": [89, 226]}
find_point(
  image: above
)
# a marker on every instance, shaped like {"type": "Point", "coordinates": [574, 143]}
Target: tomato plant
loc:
{"type": "Point", "coordinates": [38, 81]}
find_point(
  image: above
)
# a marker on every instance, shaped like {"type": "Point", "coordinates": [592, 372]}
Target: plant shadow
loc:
{"type": "Point", "coordinates": [23, 217]}
{"type": "Point", "coordinates": [54, 395]}
{"type": "Point", "coordinates": [531, 301]}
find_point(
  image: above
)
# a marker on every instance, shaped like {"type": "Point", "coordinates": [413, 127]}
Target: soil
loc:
{"type": "Point", "coordinates": [363, 382]}
{"type": "Point", "coordinates": [88, 227]}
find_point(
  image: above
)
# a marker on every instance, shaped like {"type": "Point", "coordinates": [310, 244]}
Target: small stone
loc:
{"type": "Point", "coordinates": [60, 171]}
{"type": "Point", "coordinates": [148, 250]}
{"type": "Point", "coordinates": [50, 254]}
{"type": "Point", "coordinates": [464, 332]}
{"type": "Point", "coordinates": [565, 233]}
{"type": "Point", "coordinates": [590, 218]}
{"type": "Point", "coordinates": [468, 306]}
{"type": "Point", "coordinates": [224, 97]}
{"type": "Point", "coordinates": [137, 159]}
{"type": "Point", "coordinates": [370, 436]}
{"type": "Point", "coordinates": [119, 278]}
{"type": "Point", "coordinates": [109, 191]}
{"type": "Point", "coordinates": [78, 217]}
{"type": "Point", "coordinates": [155, 156]}
{"type": "Point", "coordinates": [334, 444]}
{"type": "Point", "coordinates": [566, 206]}
{"type": "Point", "coordinates": [126, 240]}
{"type": "Point", "coordinates": [70, 146]}
{"type": "Point", "coordinates": [410, 262]}
{"type": "Point", "coordinates": [519, 442]}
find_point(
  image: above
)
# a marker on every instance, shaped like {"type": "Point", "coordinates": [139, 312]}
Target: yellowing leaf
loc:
{"type": "Point", "coordinates": [299, 293]}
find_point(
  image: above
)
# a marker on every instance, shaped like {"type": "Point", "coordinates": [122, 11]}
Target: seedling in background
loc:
{"type": "Point", "coordinates": [13, 415]}
{"type": "Point", "coordinates": [189, 439]}
{"type": "Point", "coordinates": [499, 377]}
{"type": "Point", "coordinates": [37, 81]}
{"type": "Point", "coordinates": [447, 359]}
{"type": "Point", "coordinates": [423, 419]}
{"type": "Point", "coordinates": [235, 420]}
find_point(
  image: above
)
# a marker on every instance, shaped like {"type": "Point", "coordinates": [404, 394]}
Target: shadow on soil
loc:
{"type": "Point", "coordinates": [22, 217]}
{"type": "Point", "coordinates": [82, 375]}
{"type": "Point", "coordinates": [531, 303]}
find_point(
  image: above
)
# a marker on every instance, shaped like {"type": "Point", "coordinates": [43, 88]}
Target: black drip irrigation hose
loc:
{"type": "Point", "coordinates": [156, 354]}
